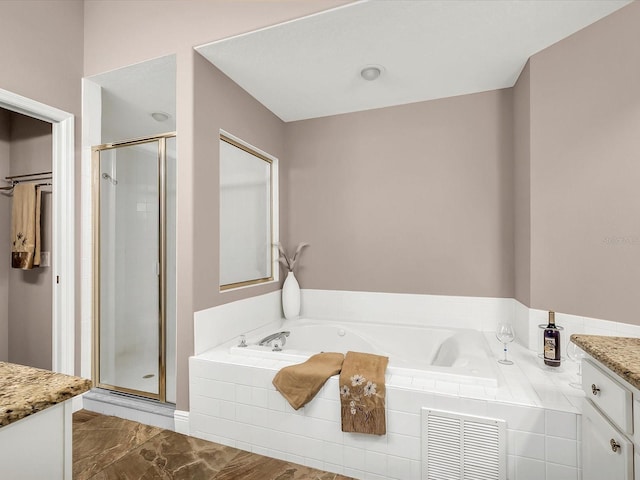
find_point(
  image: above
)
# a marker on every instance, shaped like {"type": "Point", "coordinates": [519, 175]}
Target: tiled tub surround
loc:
{"type": "Point", "coordinates": [35, 419]}
{"type": "Point", "coordinates": [233, 401]}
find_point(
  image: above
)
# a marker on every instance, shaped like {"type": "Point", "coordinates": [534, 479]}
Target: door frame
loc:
{"type": "Point", "coordinates": [63, 224]}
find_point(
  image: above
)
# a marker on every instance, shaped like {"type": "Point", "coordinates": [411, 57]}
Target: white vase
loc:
{"type": "Point", "coordinates": [291, 297]}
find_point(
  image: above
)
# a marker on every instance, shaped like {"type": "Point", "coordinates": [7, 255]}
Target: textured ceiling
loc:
{"type": "Point", "coordinates": [429, 49]}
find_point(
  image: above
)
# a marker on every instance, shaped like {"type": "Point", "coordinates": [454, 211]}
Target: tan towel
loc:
{"type": "Point", "coordinates": [300, 383]}
{"type": "Point", "coordinates": [25, 226]}
{"type": "Point", "coordinates": [362, 393]}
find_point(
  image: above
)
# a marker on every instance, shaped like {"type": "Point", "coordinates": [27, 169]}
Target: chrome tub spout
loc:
{"type": "Point", "coordinates": [282, 336]}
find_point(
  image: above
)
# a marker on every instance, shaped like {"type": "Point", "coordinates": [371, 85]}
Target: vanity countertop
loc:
{"type": "Point", "coordinates": [27, 390]}
{"type": "Point", "coordinates": [620, 354]}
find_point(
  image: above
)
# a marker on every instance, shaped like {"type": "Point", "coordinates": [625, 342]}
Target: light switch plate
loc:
{"type": "Point", "coordinates": [45, 259]}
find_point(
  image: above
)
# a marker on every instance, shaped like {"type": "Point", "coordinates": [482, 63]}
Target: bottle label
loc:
{"type": "Point", "coordinates": [550, 348]}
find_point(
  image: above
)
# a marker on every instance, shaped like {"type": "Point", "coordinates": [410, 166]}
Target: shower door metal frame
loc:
{"type": "Point", "coordinates": [162, 284]}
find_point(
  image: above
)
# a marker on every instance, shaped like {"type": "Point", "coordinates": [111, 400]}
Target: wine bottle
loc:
{"type": "Point", "coordinates": [552, 342]}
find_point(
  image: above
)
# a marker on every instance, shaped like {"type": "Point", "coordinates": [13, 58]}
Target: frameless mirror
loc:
{"type": "Point", "coordinates": [246, 214]}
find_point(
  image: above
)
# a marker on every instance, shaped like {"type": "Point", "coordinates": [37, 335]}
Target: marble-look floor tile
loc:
{"type": "Point", "coordinates": [83, 416]}
{"type": "Point", "coordinates": [109, 448]}
{"type": "Point", "coordinates": [249, 466]}
{"type": "Point", "coordinates": [100, 441]}
{"type": "Point", "coordinates": [170, 455]}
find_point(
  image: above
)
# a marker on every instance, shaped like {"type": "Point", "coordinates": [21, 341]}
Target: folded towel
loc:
{"type": "Point", "coordinates": [25, 226]}
{"type": "Point", "coordinates": [300, 383]}
{"type": "Point", "coordinates": [362, 393]}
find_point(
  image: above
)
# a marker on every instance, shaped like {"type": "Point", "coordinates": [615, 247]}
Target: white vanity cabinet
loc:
{"type": "Point", "coordinates": [608, 425]}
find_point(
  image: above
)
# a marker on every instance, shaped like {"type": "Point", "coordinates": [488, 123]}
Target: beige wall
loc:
{"type": "Point", "coordinates": [521, 186]}
{"type": "Point", "coordinates": [41, 50]}
{"type": "Point", "coordinates": [5, 242]}
{"type": "Point", "coordinates": [585, 171]}
{"type": "Point", "coordinates": [222, 104]}
{"type": "Point", "coordinates": [175, 27]}
{"type": "Point", "coordinates": [41, 46]}
{"type": "Point", "coordinates": [30, 291]}
{"type": "Point", "coordinates": [413, 199]}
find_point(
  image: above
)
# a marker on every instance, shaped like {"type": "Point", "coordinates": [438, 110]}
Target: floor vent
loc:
{"type": "Point", "coordinates": [462, 447]}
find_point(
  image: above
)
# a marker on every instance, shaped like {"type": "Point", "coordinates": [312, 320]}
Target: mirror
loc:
{"type": "Point", "coordinates": [246, 214]}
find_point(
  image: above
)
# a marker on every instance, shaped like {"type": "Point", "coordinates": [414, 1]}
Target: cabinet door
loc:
{"type": "Point", "coordinates": [601, 458]}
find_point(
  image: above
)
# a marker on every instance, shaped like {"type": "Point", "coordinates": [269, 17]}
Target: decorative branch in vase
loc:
{"type": "Point", "coordinates": [291, 287]}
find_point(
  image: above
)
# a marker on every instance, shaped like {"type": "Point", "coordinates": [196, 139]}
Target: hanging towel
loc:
{"type": "Point", "coordinates": [25, 226]}
{"type": "Point", "coordinates": [300, 383]}
{"type": "Point", "coordinates": [362, 393]}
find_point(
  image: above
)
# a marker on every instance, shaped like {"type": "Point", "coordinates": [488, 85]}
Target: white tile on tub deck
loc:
{"type": "Point", "coordinates": [562, 472]}
{"type": "Point", "coordinates": [333, 453]}
{"type": "Point", "coordinates": [354, 458]}
{"type": "Point", "coordinates": [562, 451]}
{"type": "Point", "coordinates": [423, 383]}
{"type": "Point", "coordinates": [528, 419]}
{"type": "Point", "coordinates": [214, 389]}
{"type": "Point", "coordinates": [398, 468]}
{"type": "Point", "coordinates": [374, 476]}
{"type": "Point", "coordinates": [403, 446]}
{"type": "Point", "coordinates": [244, 413]}
{"type": "Point", "coordinates": [216, 439]}
{"type": "Point", "coordinates": [561, 424]}
{"type": "Point", "coordinates": [275, 401]}
{"type": "Point", "coordinates": [449, 388]}
{"type": "Point", "coordinates": [530, 445]}
{"type": "Point", "coordinates": [227, 410]}
{"type": "Point", "coordinates": [511, 467]}
{"type": "Point", "coordinates": [410, 401]}
{"type": "Point", "coordinates": [352, 472]}
{"type": "Point", "coordinates": [376, 463]}
{"type": "Point", "coordinates": [401, 422]}
{"type": "Point", "coordinates": [333, 468]}
{"type": "Point", "coordinates": [313, 463]}
{"type": "Point", "coordinates": [450, 403]}
{"type": "Point", "coordinates": [324, 409]}
{"type": "Point", "coordinates": [199, 403]}
{"type": "Point", "coordinates": [529, 469]}
{"type": "Point", "coordinates": [243, 394]}
{"type": "Point", "coordinates": [260, 377]}
{"type": "Point", "coordinates": [472, 406]}
{"type": "Point", "coordinates": [325, 430]}
{"type": "Point", "coordinates": [303, 446]}
{"type": "Point", "coordinates": [259, 397]}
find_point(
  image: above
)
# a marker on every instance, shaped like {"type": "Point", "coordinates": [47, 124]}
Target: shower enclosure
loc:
{"type": "Point", "coordinates": [134, 267]}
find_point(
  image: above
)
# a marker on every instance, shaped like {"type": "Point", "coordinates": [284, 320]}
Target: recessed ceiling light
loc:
{"type": "Point", "coordinates": [160, 116]}
{"type": "Point", "coordinates": [371, 72]}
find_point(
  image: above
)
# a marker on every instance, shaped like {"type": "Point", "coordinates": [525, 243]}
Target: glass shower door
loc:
{"type": "Point", "coordinates": [129, 343]}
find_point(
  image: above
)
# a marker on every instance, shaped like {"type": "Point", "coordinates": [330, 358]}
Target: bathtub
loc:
{"type": "Point", "coordinates": [454, 355]}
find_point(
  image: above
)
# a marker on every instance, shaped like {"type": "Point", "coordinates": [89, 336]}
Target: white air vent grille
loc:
{"type": "Point", "coordinates": [462, 447]}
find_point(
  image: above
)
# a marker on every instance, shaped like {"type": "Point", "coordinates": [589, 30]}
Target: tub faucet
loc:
{"type": "Point", "coordinates": [275, 336]}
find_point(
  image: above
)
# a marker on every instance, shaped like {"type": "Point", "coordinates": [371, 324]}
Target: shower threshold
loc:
{"type": "Point", "coordinates": [130, 407]}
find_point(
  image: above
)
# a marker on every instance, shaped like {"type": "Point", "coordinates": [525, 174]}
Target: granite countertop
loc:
{"type": "Point", "coordinates": [620, 354]}
{"type": "Point", "coordinates": [27, 390]}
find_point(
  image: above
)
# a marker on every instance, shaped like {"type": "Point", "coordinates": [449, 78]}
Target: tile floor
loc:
{"type": "Point", "coordinates": [107, 447]}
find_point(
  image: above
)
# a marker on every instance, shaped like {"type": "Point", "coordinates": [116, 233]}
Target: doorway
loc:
{"type": "Point", "coordinates": [63, 227]}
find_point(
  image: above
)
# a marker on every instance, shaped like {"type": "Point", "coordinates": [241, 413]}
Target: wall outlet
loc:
{"type": "Point", "coordinates": [45, 259]}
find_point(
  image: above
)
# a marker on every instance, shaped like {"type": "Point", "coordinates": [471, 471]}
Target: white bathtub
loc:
{"type": "Point", "coordinates": [455, 355]}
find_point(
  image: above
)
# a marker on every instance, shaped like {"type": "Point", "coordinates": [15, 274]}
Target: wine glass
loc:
{"type": "Point", "coordinates": [576, 354]}
{"type": "Point", "coordinates": [505, 334]}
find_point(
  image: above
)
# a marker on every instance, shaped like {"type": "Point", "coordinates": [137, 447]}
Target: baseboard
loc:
{"type": "Point", "coordinates": [181, 419]}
